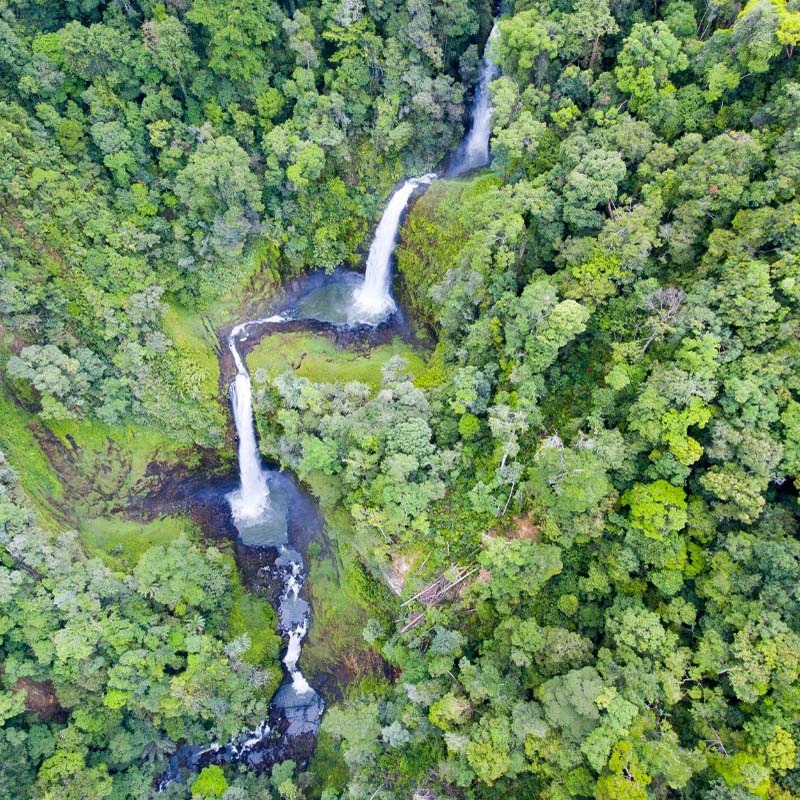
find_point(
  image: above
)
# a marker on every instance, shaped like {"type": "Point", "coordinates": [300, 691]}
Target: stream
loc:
{"type": "Point", "coordinates": [269, 512]}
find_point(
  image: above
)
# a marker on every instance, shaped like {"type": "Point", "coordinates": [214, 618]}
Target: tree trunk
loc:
{"type": "Point", "coordinates": [595, 51]}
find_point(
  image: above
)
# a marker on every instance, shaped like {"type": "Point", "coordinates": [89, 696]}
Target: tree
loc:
{"type": "Point", "coordinates": [649, 56]}
{"type": "Point", "coordinates": [528, 41]}
{"type": "Point", "coordinates": [236, 38]}
{"type": "Point", "coordinates": [168, 41]}
{"type": "Point", "coordinates": [307, 165]}
{"type": "Point", "coordinates": [592, 178]}
{"type": "Point", "coordinates": [539, 325]}
{"type": "Point", "coordinates": [517, 569]}
{"type": "Point", "coordinates": [657, 508]}
{"type": "Point", "coordinates": [755, 35]}
{"type": "Point", "coordinates": [569, 702]}
{"type": "Point", "coordinates": [63, 381]}
{"type": "Point", "coordinates": [585, 27]}
{"type": "Point", "coordinates": [65, 775]}
{"type": "Point", "coordinates": [788, 33]}
{"type": "Point", "coordinates": [359, 728]}
{"type": "Point", "coordinates": [221, 197]}
{"type": "Point", "coordinates": [488, 749]}
{"type": "Point", "coordinates": [210, 782]}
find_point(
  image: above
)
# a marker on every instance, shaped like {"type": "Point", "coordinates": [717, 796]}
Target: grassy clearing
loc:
{"type": "Point", "coordinates": [123, 452]}
{"type": "Point", "coordinates": [102, 466]}
{"type": "Point", "coordinates": [37, 477]}
{"type": "Point", "coordinates": [319, 360]}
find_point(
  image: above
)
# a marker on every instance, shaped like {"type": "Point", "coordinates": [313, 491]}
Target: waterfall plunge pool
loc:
{"type": "Point", "coordinates": [334, 302]}
{"type": "Point", "coordinates": [349, 299]}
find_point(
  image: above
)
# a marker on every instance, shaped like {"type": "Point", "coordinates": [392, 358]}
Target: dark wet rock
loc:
{"type": "Point", "coordinates": [303, 711]}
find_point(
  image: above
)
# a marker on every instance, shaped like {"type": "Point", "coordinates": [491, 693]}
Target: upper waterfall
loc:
{"type": "Point", "coordinates": [348, 299]}
{"type": "Point", "coordinates": [374, 298]}
{"type": "Point", "coordinates": [474, 150]}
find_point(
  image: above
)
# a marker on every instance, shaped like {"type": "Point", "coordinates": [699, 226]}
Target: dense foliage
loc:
{"type": "Point", "coordinates": [158, 152]}
{"type": "Point", "coordinates": [603, 459]}
{"type": "Point", "coordinates": [112, 669]}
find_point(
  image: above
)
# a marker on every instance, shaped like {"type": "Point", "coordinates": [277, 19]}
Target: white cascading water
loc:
{"type": "Point", "coordinates": [252, 510]}
{"type": "Point", "coordinates": [296, 634]}
{"type": "Point", "coordinates": [251, 499]}
{"type": "Point", "coordinates": [474, 150]}
{"type": "Point", "coordinates": [250, 503]}
{"type": "Point", "coordinates": [374, 298]}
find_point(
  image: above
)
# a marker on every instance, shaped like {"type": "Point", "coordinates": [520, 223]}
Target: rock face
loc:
{"type": "Point", "coordinates": [303, 711]}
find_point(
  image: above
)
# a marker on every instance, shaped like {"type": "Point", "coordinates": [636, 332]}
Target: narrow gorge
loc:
{"type": "Point", "coordinates": [259, 505]}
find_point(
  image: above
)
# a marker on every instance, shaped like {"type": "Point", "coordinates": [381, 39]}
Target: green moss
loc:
{"type": "Point", "coordinates": [341, 594]}
{"type": "Point", "coordinates": [255, 616]}
{"type": "Point", "coordinates": [194, 338]}
{"type": "Point", "coordinates": [37, 477]}
{"type": "Point", "coordinates": [133, 447]}
{"type": "Point", "coordinates": [438, 224]}
{"type": "Point", "coordinates": [436, 371]}
{"type": "Point", "coordinates": [316, 358]}
{"type": "Point", "coordinates": [367, 589]}
{"type": "Point", "coordinates": [23, 452]}
{"type": "Point", "coordinates": [102, 466]}
{"type": "Point", "coordinates": [255, 286]}
{"type": "Point", "coordinates": [335, 634]}
{"type": "Point", "coordinates": [121, 542]}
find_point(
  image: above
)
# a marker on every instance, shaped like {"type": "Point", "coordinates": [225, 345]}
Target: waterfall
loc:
{"type": "Point", "coordinates": [298, 630]}
{"type": "Point", "coordinates": [474, 150]}
{"type": "Point", "coordinates": [374, 297]}
{"type": "Point", "coordinates": [373, 300]}
{"type": "Point", "coordinates": [250, 501]}
{"type": "Point", "coordinates": [250, 505]}
{"type": "Point", "coordinates": [261, 521]}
